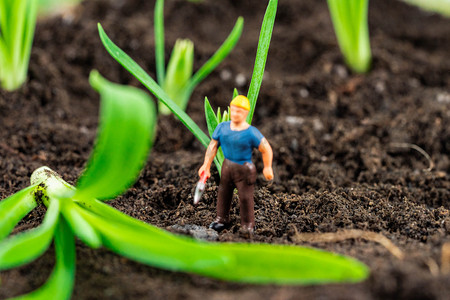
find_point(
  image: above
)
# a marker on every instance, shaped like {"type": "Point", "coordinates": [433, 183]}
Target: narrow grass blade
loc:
{"type": "Point", "coordinates": [159, 41]}
{"type": "Point", "coordinates": [126, 133]}
{"type": "Point", "coordinates": [261, 56]}
{"type": "Point", "coordinates": [227, 46]}
{"type": "Point", "coordinates": [251, 263]}
{"type": "Point", "coordinates": [14, 208]}
{"type": "Point", "coordinates": [24, 247]}
{"type": "Point", "coordinates": [61, 281]}
{"type": "Point", "coordinates": [212, 122]}
{"type": "Point", "coordinates": [151, 85]}
{"type": "Point", "coordinates": [82, 229]}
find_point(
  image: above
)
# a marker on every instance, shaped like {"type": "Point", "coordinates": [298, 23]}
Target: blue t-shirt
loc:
{"type": "Point", "coordinates": [237, 146]}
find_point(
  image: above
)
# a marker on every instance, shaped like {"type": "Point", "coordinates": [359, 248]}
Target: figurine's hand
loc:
{"type": "Point", "coordinates": [204, 169]}
{"type": "Point", "coordinates": [268, 173]}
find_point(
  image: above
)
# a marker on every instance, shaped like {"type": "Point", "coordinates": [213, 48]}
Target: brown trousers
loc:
{"type": "Point", "coordinates": [243, 178]}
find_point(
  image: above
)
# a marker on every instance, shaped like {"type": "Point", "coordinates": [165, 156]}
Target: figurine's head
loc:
{"type": "Point", "coordinates": [239, 109]}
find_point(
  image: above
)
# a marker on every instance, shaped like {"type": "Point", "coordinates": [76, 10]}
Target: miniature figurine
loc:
{"type": "Point", "coordinates": [237, 139]}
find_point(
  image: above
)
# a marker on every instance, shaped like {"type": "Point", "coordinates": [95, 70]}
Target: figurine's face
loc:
{"type": "Point", "coordinates": [238, 114]}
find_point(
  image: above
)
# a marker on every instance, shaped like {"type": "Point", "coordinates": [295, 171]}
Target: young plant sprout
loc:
{"type": "Point", "coordinates": [17, 24]}
{"type": "Point", "coordinates": [178, 82]}
{"type": "Point", "coordinates": [350, 23]}
{"type": "Point", "coordinates": [127, 123]}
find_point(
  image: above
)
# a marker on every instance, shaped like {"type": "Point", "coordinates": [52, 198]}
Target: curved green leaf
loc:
{"type": "Point", "coordinates": [151, 85]}
{"type": "Point", "coordinates": [22, 248]}
{"type": "Point", "coordinates": [14, 208]}
{"type": "Point", "coordinates": [126, 133]}
{"type": "Point", "coordinates": [61, 281]}
{"type": "Point", "coordinates": [218, 56]}
{"type": "Point", "coordinates": [261, 56]}
{"type": "Point", "coordinates": [251, 263]}
{"type": "Point", "coordinates": [82, 229]}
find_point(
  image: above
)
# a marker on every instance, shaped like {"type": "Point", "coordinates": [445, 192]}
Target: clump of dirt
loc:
{"type": "Point", "coordinates": [346, 145]}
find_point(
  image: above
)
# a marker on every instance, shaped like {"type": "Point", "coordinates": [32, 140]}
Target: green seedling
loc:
{"type": "Point", "coordinates": [350, 23]}
{"type": "Point", "coordinates": [17, 24]}
{"type": "Point", "coordinates": [261, 56]}
{"type": "Point", "coordinates": [127, 123]}
{"type": "Point", "coordinates": [178, 82]}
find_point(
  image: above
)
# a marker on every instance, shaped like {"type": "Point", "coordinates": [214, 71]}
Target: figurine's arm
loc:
{"type": "Point", "coordinates": [211, 152]}
{"type": "Point", "coordinates": [267, 156]}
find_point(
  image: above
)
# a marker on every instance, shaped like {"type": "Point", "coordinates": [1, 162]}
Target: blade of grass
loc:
{"type": "Point", "coordinates": [251, 263]}
{"type": "Point", "coordinates": [61, 281]}
{"type": "Point", "coordinates": [126, 133]}
{"type": "Point", "coordinates": [212, 122]}
{"type": "Point", "coordinates": [24, 247]}
{"type": "Point", "coordinates": [151, 85]}
{"type": "Point", "coordinates": [159, 41]}
{"type": "Point", "coordinates": [261, 56]}
{"type": "Point", "coordinates": [14, 208]}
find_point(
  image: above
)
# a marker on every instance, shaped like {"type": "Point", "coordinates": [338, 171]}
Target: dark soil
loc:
{"type": "Point", "coordinates": [343, 143]}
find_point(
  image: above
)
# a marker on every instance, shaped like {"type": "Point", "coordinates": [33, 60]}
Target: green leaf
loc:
{"type": "Point", "coordinates": [212, 122]}
{"type": "Point", "coordinates": [251, 263]}
{"type": "Point", "coordinates": [261, 56]}
{"type": "Point", "coordinates": [179, 71]}
{"type": "Point", "coordinates": [351, 27]}
{"type": "Point", "coordinates": [211, 118]}
{"type": "Point", "coordinates": [82, 229]}
{"type": "Point", "coordinates": [235, 93]}
{"type": "Point", "coordinates": [24, 247]}
{"type": "Point", "coordinates": [159, 41]}
{"type": "Point", "coordinates": [61, 281]}
{"type": "Point", "coordinates": [151, 85]}
{"type": "Point", "coordinates": [14, 208]}
{"type": "Point", "coordinates": [17, 24]}
{"type": "Point", "coordinates": [218, 57]}
{"type": "Point", "coordinates": [126, 133]}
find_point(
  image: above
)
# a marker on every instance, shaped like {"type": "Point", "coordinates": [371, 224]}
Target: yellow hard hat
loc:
{"type": "Point", "coordinates": [241, 101]}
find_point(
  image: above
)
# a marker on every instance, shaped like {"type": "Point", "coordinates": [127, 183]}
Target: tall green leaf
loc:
{"type": "Point", "coordinates": [126, 133]}
{"type": "Point", "coordinates": [261, 56]}
{"type": "Point", "coordinates": [24, 247]}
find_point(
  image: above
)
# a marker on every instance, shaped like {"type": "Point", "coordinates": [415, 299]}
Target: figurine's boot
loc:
{"type": "Point", "coordinates": [220, 224]}
{"type": "Point", "coordinates": [246, 230]}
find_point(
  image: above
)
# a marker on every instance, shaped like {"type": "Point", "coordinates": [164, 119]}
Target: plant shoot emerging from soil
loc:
{"type": "Point", "coordinates": [352, 31]}
{"type": "Point", "coordinates": [178, 82]}
{"type": "Point", "coordinates": [17, 24]}
{"type": "Point", "coordinates": [127, 123]}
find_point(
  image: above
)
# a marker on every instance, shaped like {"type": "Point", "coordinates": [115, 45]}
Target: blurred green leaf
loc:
{"type": "Point", "coordinates": [61, 281]}
{"type": "Point", "coordinates": [14, 208]}
{"type": "Point", "coordinates": [125, 136]}
{"type": "Point", "coordinates": [24, 247]}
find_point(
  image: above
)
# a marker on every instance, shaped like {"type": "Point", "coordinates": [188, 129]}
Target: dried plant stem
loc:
{"type": "Point", "coordinates": [346, 234]}
{"type": "Point", "coordinates": [418, 149]}
{"type": "Point", "coordinates": [445, 258]}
